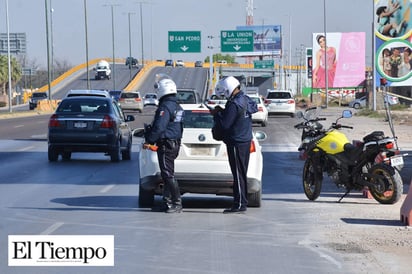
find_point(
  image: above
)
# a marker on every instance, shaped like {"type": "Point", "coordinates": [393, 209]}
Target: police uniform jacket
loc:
{"type": "Point", "coordinates": [236, 120]}
{"type": "Point", "coordinates": [168, 121]}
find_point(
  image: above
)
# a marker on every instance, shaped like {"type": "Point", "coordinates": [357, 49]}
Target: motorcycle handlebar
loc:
{"type": "Point", "coordinates": [347, 127]}
{"type": "Point", "coordinates": [337, 126]}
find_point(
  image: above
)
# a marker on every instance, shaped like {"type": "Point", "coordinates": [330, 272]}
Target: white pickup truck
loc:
{"type": "Point", "coordinates": [102, 70]}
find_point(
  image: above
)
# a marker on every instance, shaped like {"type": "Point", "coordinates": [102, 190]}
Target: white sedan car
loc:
{"type": "Point", "coordinates": [202, 165]}
{"type": "Point", "coordinates": [260, 117]}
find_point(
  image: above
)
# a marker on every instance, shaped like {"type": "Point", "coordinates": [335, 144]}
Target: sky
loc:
{"type": "Point", "coordinates": [300, 18]}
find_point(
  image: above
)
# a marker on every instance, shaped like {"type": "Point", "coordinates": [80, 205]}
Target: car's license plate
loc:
{"type": "Point", "coordinates": [396, 160]}
{"type": "Point", "coordinates": [80, 124]}
{"type": "Point", "coordinates": [201, 151]}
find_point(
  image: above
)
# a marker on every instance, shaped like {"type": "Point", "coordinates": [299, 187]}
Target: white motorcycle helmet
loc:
{"type": "Point", "coordinates": [226, 86]}
{"type": "Point", "coordinates": [166, 87]}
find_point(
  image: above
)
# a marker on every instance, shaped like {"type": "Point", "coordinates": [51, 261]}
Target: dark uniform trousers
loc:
{"type": "Point", "coordinates": [239, 154]}
{"type": "Point", "coordinates": [167, 152]}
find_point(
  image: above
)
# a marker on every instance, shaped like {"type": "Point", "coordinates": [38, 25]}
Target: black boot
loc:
{"type": "Point", "coordinates": [167, 200]}
{"type": "Point", "coordinates": [175, 195]}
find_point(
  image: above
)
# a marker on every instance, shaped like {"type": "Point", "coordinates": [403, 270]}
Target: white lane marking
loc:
{"type": "Point", "coordinates": [26, 148]}
{"type": "Point", "coordinates": [309, 244]}
{"type": "Point", "coordinates": [52, 228]}
{"type": "Point", "coordinates": [279, 148]}
{"type": "Point", "coordinates": [106, 189]}
{"type": "Point", "coordinates": [17, 126]}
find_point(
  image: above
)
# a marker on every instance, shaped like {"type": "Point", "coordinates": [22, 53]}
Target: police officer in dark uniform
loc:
{"type": "Point", "coordinates": [235, 121]}
{"type": "Point", "coordinates": [166, 132]}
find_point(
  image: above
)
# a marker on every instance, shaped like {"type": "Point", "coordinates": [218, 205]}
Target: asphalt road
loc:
{"type": "Point", "coordinates": [89, 195]}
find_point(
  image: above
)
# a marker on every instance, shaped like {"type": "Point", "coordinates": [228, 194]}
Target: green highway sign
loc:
{"type": "Point", "coordinates": [263, 64]}
{"type": "Point", "coordinates": [236, 41]}
{"type": "Point", "coordinates": [184, 41]}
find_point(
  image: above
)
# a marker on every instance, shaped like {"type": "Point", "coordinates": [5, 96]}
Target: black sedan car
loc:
{"type": "Point", "coordinates": [89, 124]}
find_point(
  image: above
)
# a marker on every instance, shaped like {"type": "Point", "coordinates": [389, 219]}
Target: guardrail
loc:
{"type": "Point", "coordinates": [74, 70]}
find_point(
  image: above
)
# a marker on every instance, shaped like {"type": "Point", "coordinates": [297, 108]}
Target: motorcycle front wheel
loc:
{"type": "Point", "coordinates": [388, 188]}
{"type": "Point", "coordinates": [312, 180]}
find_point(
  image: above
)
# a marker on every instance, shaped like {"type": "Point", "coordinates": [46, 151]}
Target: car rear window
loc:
{"type": "Point", "coordinates": [129, 95]}
{"type": "Point", "coordinates": [151, 96]}
{"type": "Point", "coordinates": [84, 106]}
{"type": "Point", "coordinates": [198, 119]}
{"type": "Point", "coordinates": [279, 95]}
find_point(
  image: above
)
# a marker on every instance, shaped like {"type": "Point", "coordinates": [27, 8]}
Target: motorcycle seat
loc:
{"type": "Point", "coordinates": [374, 136]}
{"type": "Point", "coordinates": [352, 152]}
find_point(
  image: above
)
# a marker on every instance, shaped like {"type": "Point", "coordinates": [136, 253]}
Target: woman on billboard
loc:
{"type": "Point", "coordinates": [319, 73]}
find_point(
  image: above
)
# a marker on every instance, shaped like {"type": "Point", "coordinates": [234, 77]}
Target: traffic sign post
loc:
{"type": "Point", "coordinates": [184, 41]}
{"type": "Point", "coordinates": [236, 41]}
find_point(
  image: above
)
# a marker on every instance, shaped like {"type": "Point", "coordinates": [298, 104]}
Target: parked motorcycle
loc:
{"type": "Point", "coordinates": [373, 162]}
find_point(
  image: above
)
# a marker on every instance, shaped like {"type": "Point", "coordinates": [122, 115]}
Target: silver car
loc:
{"type": "Point", "coordinates": [131, 100]}
{"type": "Point", "coordinates": [150, 99]}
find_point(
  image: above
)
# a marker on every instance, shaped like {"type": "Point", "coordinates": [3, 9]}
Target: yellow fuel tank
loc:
{"type": "Point", "coordinates": [333, 142]}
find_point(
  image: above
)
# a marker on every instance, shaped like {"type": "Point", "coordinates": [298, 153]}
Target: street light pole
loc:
{"type": "Point", "coordinates": [51, 41]}
{"type": "Point", "coordinates": [87, 44]}
{"type": "Point", "coordinates": [326, 50]}
{"type": "Point", "coordinates": [290, 49]}
{"type": "Point", "coordinates": [141, 31]}
{"type": "Point", "coordinates": [211, 62]}
{"type": "Point", "coordinates": [48, 48]}
{"type": "Point", "coordinates": [113, 69]}
{"type": "Point", "coordinates": [130, 47]}
{"type": "Point", "coordinates": [8, 53]}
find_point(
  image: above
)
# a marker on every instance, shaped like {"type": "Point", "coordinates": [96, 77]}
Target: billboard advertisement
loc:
{"type": "Point", "coordinates": [267, 40]}
{"type": "Point", "coordinates": [392, 28]}
{"type": "Point", "coordinates": [344, 54]}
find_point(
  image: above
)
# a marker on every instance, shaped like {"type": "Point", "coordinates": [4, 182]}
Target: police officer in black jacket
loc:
{"type": "Point", "coordinates": [235, 121]}
{"type": "Point", "coordinates": [166, 132]}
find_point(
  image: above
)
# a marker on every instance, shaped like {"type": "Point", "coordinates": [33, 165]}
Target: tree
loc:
{"type": "Point", "coordinates": [4, 73]}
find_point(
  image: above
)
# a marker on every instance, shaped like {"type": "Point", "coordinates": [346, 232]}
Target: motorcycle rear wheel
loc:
{"type": "Point", "coordinates": [389, 188]}
{"type": "Point", "coordinates": [312, 182]}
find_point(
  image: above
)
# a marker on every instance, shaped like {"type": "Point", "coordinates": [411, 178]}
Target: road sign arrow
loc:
{"type": "Point", "coordinates": [237, 47]}
{"type": "Point", "coordinates": [184, 48]}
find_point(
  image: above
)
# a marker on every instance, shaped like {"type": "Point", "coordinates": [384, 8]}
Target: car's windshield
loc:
{"type": "Point", "coordinates": [197, 119]}
{"type": "Point", "coordinates": [39, 95]}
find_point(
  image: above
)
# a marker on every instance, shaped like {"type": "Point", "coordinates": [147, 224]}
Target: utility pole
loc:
{"type": "Point", "coordinates": [87, 44]}
{"type": "Point", "coordinates": [211, 61]}
{"type": "Point", "coordinates": [48, 48]}
{"type": "Point", "coordinates": [114, 58]}
{"type": "Point", "coordinates": [8, 53]}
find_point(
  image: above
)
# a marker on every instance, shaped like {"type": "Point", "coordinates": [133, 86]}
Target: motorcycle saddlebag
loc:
{"type": "Point", "coordinates": [374, 136]}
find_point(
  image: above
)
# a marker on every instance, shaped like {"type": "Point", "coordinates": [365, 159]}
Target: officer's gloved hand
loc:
{"type": "Point", "coordinates": [150, 147]}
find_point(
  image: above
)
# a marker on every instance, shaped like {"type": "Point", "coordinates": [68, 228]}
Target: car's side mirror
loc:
{"type": "Point", "coordinates": [130, 118]}
{"type": "Point", "coordinates": [346, 114]}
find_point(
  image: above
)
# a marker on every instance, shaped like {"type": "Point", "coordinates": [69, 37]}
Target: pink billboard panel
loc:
{"type": "Point", "coordinates": [344, 54]}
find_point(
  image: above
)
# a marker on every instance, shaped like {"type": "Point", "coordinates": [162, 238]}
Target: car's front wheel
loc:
{"type": "Point", "coordinates": [356, 106]}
